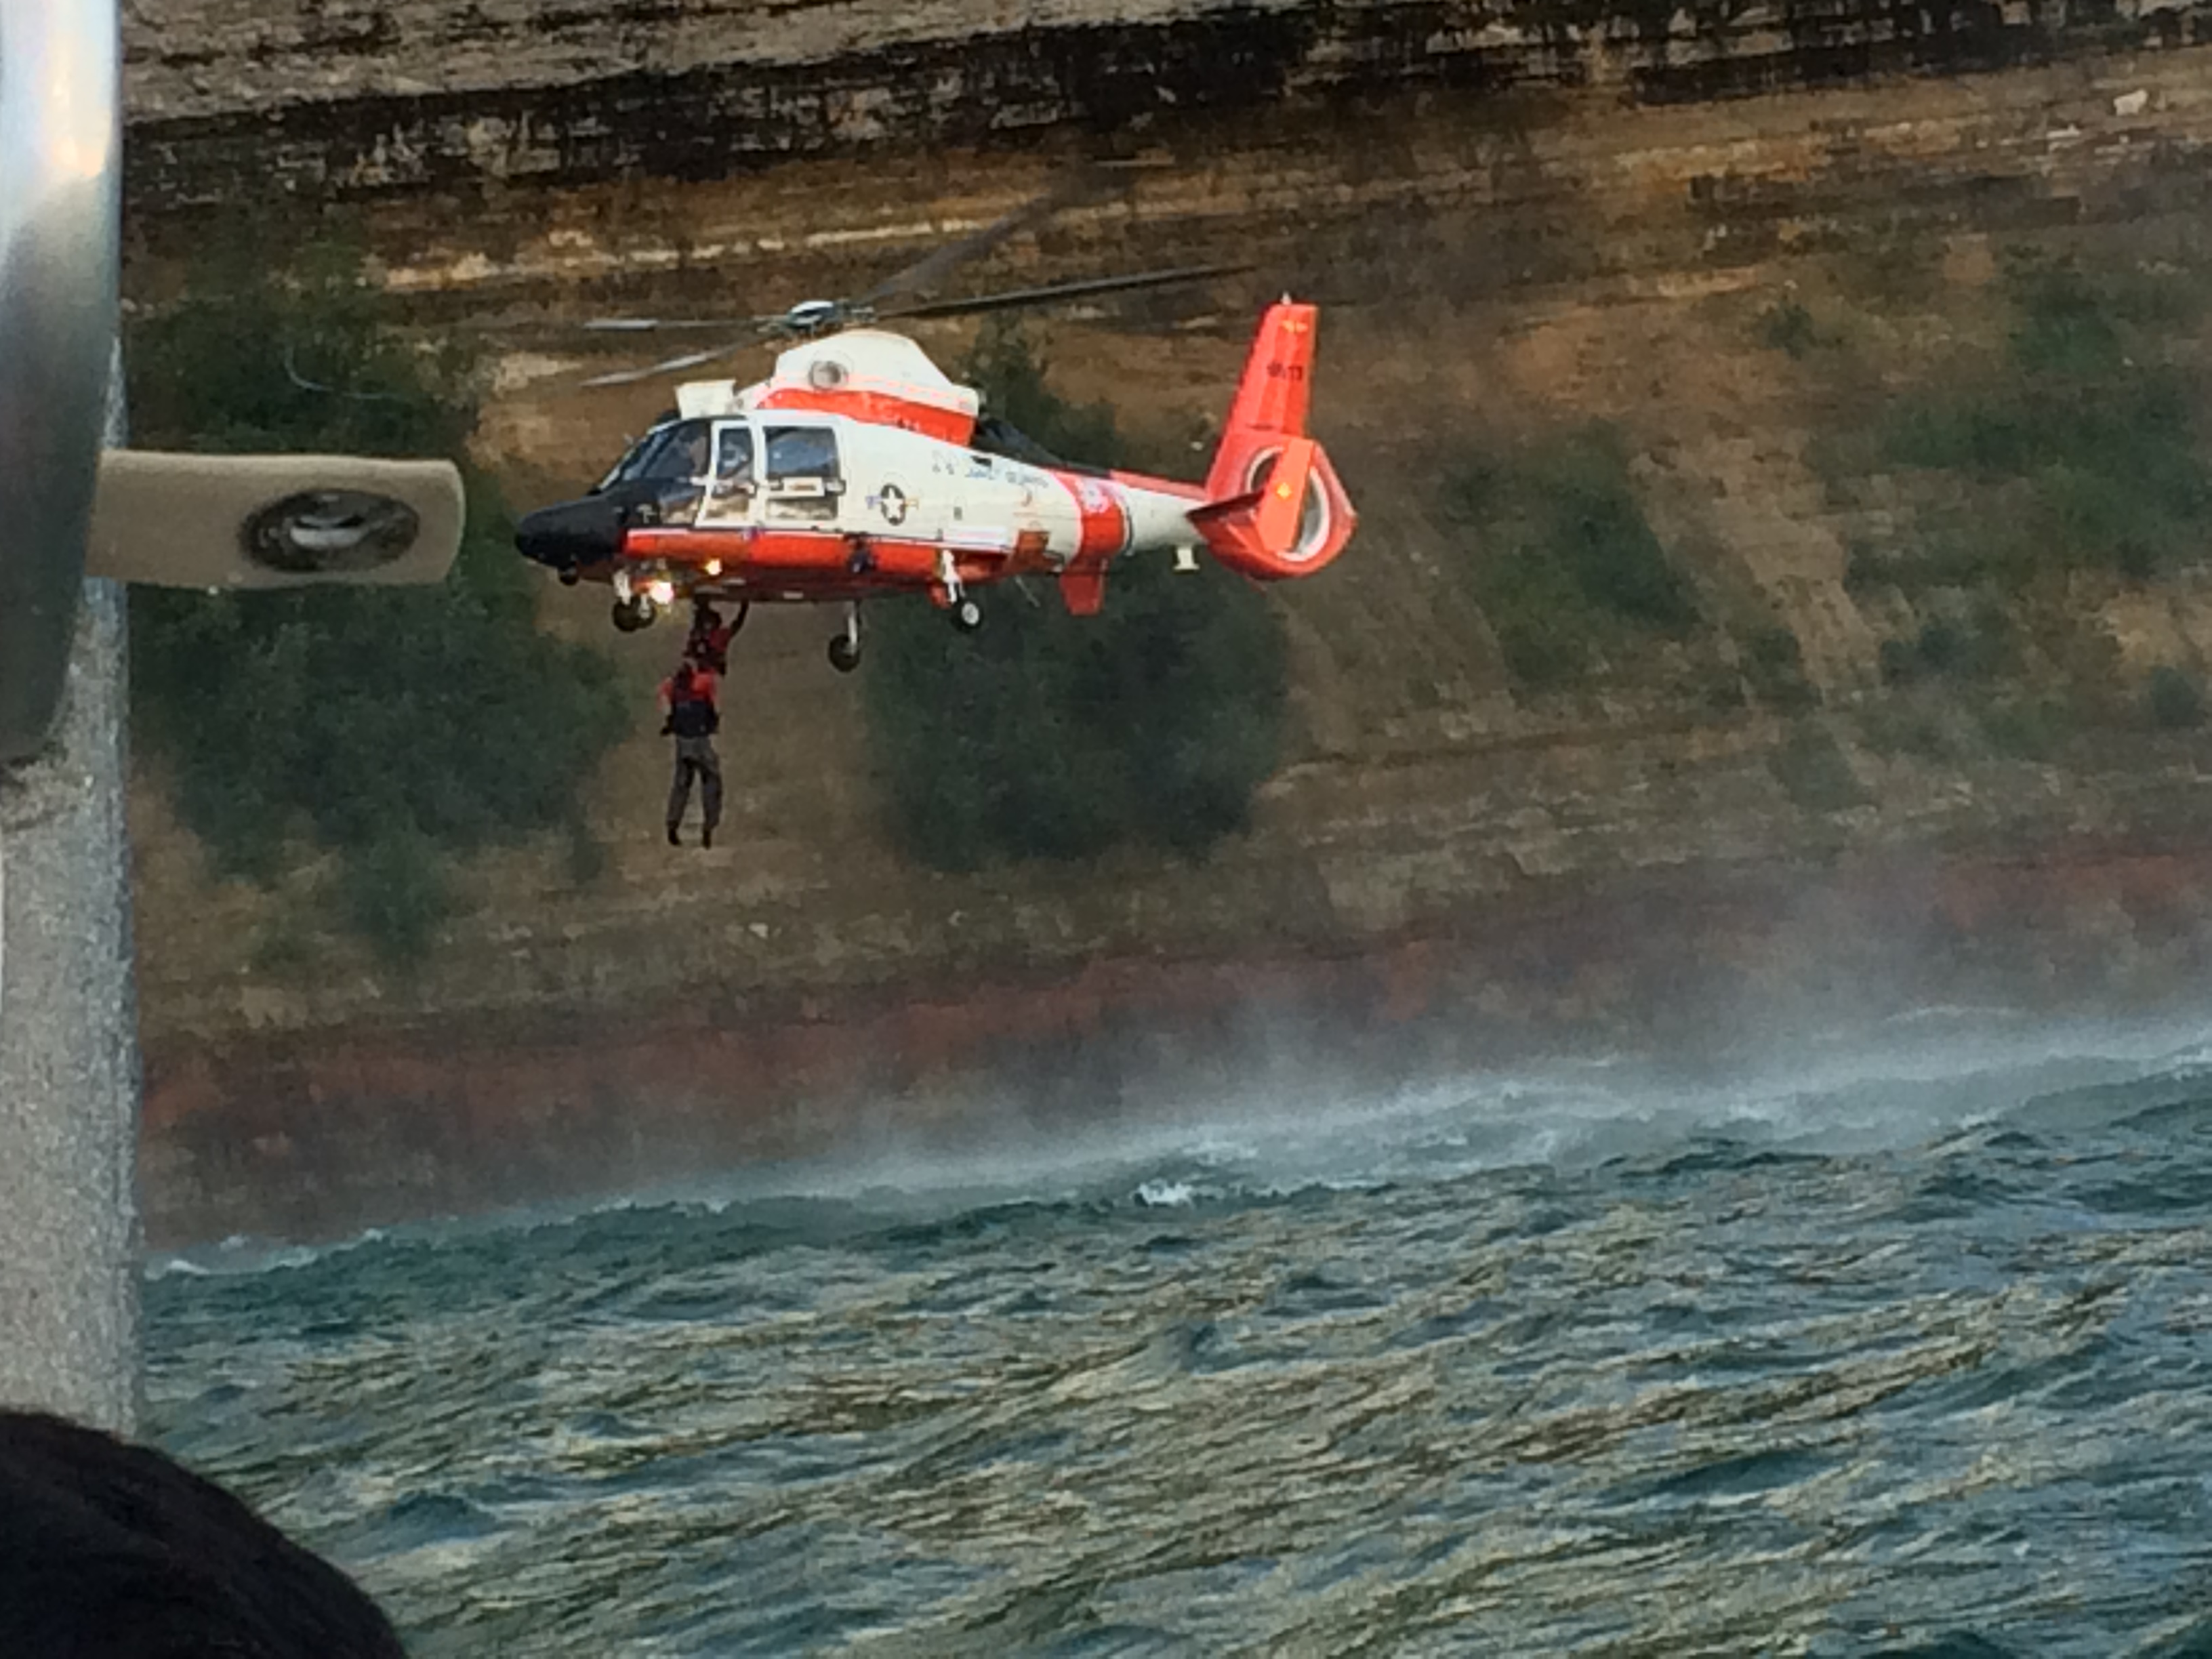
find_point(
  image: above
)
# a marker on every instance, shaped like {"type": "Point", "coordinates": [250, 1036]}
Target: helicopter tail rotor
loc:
{"type": "Point", "coordinates": [1276, 507]}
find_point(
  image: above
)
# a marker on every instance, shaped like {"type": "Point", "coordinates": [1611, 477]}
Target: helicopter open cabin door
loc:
{"type": "Point", "coordinates": [731, 488]}
{"type": "Point", "coordinates": [804, 477]}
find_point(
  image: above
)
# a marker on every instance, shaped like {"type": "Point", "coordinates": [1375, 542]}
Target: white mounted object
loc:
{"type": "Point", "coordinates": [254, 521]}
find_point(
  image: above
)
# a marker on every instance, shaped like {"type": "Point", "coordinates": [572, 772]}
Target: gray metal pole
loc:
{"type": "Point", "coordinates": [69, 1053]}
{"type": "Point", "coordinates": [69, 1034]}
{"type": "Point", "coordinates": [69, 1066]}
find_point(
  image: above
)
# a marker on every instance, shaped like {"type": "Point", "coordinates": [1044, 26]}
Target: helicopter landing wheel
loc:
{"type": "Point", "coordinates": [845, 647]}
{"type": "Point", "coordinates": [967, 616]}
{"type": "Point", "coordinates": [635, 612]}
{"type": "Point", "coordinates": [569, 578]}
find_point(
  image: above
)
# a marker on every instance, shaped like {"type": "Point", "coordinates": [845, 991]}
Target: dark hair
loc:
{"type": "Point", "coordinates": [111, 1551]}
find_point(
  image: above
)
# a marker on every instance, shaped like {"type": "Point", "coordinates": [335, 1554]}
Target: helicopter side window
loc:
{"type": "Point", "coordinates": [804, 477]}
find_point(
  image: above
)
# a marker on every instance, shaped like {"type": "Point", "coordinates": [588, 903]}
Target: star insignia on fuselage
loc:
{"type": "Point", "coordinates": [891, 502]}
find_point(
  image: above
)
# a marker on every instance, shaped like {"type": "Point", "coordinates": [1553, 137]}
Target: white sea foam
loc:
{"type": "Point", "coordinates": [1167, 1194]}
{"type": "Point", "coordinates": [1902, 1085]}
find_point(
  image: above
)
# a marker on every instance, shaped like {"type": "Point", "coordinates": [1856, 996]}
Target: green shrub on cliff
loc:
{"type": "Point", "coordinates": [395, 726]}
{"type": "Point", "coordinates": [1787, 327]}
{"type": "Point", "coordinates": [1773, 664]}
{"type": "Point", "coordinates": [1045, 735]}
{"type": "Point", "coordinates": [2031, 727]}
{"type": "Point", "coordinates": [1563, 561]}
{"type": "Point", "coordinates": [2175, 700]}
{"type": "Point", "coordinates": [2083, 451]}
{"type": "Point", "coordinates": [1979, 647]}
{"type": "Point", "coordinates": [1814, 772]}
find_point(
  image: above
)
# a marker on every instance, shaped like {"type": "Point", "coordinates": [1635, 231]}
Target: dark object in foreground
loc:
{"type": "Point", "coordinates": [111, 1551]}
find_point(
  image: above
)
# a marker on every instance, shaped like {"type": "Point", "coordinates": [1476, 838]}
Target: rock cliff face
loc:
{"type": "Point", "coordinates": [1518, 219]}
{"type": "Point", "coordinates": [364, 96]}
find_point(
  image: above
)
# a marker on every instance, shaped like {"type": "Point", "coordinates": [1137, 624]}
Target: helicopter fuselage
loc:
{"type": "Point", "coordinates": [858, 470]}
{"type": "Point", "coordinates": [811, 507]}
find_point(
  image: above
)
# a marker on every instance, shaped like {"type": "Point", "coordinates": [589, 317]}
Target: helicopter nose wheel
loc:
{"type": "Point", "coordinates": [967, 615]}
{"type": "Point", "coordinates": [569, 577]}
{"type": "Point", "coordinates": [635, 612]}
{"type": "Point", "coordinates": [845, 647]}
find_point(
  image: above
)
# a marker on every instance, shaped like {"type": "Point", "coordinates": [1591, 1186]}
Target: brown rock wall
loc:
{"type": "Point", "coordinates": [229, 97]}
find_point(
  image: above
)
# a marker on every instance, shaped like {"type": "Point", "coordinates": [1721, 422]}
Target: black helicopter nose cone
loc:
{"type": "Point", "coordinates": [578, 533]}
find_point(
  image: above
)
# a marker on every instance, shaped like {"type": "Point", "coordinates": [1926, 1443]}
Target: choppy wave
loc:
{"type": "Point", "coordinates": [1865, 1348]}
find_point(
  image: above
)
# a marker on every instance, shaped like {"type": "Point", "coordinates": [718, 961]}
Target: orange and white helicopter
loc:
{"type": "Point", "coordinates": [858, 469]}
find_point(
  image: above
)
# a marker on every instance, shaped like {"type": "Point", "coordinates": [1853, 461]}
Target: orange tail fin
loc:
{"type": "Point", "coordinates": [1274, 505]}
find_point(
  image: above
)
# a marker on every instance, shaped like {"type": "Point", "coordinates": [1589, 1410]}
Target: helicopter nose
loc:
{"type": "Point", "coordinates": [579, 533]}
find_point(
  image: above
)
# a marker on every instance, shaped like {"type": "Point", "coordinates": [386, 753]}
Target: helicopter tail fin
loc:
{"type": "Point", "coordinates": [1274, 505]}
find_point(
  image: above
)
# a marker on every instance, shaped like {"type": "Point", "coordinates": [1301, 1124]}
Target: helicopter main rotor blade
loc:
{"type": "Point", "coordinates": [917, 276]}
{"type": "Point", "coordinates": [652, 324]}
{"type": "Point", "coordinates": [667, 366]}
{"type": "Point", "coordinates": [760, 323]}
{"type": "Point", "coordinates": [1075, 290]}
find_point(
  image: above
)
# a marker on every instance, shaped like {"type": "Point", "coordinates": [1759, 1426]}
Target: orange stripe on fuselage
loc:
{"type": "Point", "coordinates": [818, 563]}
{"type": "Point", "coordinates": [876, 409]}
{"type": "Point", "coordinates": [1101, 514]}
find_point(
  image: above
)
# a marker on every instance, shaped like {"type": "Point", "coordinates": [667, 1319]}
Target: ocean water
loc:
{"type": "Point", "coordinates": [1897, 1344]}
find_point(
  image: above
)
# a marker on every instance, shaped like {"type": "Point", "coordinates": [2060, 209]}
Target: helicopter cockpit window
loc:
{"type": "Point", "coordinates": [803, 478]}
{"type": "Point", "coordinates": [672, 454]}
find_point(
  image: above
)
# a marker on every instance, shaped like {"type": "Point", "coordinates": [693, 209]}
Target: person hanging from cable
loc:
{"type": "Point", "coordinates": [689, 696]}
{"type": "Point", "coordinates": [708, 644]}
